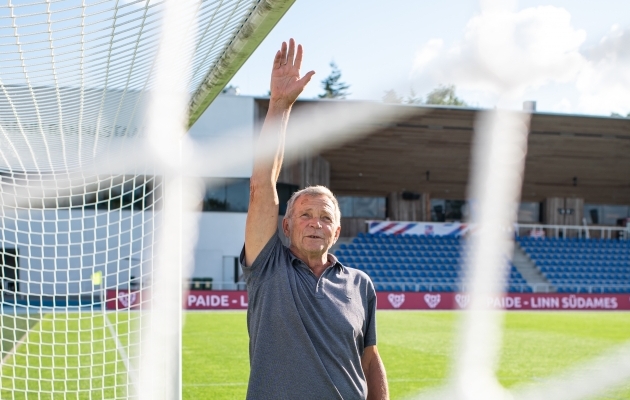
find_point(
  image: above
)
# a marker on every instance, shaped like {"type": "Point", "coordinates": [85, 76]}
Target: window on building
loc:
{"type": "Point", "coordinates": [362, 207]}
{"type": "Point", "coordinates": [448, 210]}
{"type": "Point", "coordinates": [285, 191]}
{"type": "Point", "coordinates": [529, 212]}
{"type": "Point", "coordinates": [232, 195]}
{"type": "Point", "coordinates": [226, 195]}
{"type": "Point", "coordinates": [602, 214]}
{"type": "Point", "coordinates": [438, 207]}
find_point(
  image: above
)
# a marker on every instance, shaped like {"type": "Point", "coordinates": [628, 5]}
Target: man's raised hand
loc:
{"type": "Point", "coordinates": [286, 84]}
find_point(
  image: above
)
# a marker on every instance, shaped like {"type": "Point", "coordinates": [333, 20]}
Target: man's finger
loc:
{"type": "Point", "coordinates": [298, 57]}
{"type": "Point", "coordinates": [276, 60]}
{"type": "Point", "coordinates": [307, 78]}
{"type": "Point", "coordinates": [283, 53]}
{"type": "Point", "coordinates": [291, 53]}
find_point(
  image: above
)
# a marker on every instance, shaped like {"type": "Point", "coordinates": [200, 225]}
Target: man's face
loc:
{"type": "Point", "coordinates": [312, 227]}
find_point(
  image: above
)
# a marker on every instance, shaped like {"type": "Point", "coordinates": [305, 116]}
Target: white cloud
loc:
{"type": "Point", "coordinates": [604, 82]}
{"type": "Point", "coordinates": [519, 52]}
{"type": "Point", "coordinates": [428, 53]}
{"type": "Point", "coordinates": [507, 51]}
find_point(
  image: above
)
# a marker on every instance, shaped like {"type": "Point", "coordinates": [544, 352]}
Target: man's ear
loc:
{"type": "Point", "coordinates": [285, 227]}
{"type": "Point", "coordinates": [337, 233]}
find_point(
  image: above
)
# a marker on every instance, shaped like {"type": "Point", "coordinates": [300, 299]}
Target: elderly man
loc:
{"type": "Point", "coordinates": [311, 320]}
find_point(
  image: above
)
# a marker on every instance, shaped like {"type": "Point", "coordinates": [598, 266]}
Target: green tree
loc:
{"type": "Point", "coordinates": [617, 115]}
{"type": "Point", "coordinates": [392, 97]}
{"type": "Point", "coordinates": [333, 87]}
{"type": "Point", "coordinates": [445, 95]}
{"type": "Point", "coordinates": [412, 98]}
{"type": "Point", "coordinates": [442, 95]}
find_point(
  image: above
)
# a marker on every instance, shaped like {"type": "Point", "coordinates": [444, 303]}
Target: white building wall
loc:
{"type": "Point", "coordinates": [221, 238]}
{"type": "Point", "coordinates": [228, 117]}
{"type": "Point", "coordinates": [222, 234]}
{"type": "Point", "coordinates": [60, 250]}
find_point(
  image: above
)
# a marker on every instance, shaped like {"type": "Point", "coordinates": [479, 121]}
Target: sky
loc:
{"type": "Point", "coordinates": [568, 56]}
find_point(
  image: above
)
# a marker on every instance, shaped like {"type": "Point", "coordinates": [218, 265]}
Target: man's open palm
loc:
{"type": "Point", "coordinates": [286, 84]}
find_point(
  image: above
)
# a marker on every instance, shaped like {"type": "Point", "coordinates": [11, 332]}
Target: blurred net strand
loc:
{"type": "Point", "coordinates": [310, 131]}
{"type": "Point", "coordinates": [161, 372]}
{"type": "Point", "coordinates": [29, 84]}
{"type": "Point", "coordinates": [99, 118]}
{"type": "Point", "coordinates": [591, 378]}
{"type": "Point", "coordinates": [497, 165]}
{"type": "Point", "coordinates": [143, 19]}
{"type": "Point", "coordinates": [56, 85]}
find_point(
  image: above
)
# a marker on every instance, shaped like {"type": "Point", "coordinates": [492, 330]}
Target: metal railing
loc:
{"type": "Point", "coordinates": [432, 286]}
{"type": "Point", "coordinates": [580, 231]}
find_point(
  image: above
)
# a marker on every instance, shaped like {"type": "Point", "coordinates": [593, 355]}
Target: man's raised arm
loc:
{"type": "Point", "coordinates": [286, 86]}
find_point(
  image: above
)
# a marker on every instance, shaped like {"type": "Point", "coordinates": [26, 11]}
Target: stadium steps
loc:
{"type": "Point", "coordinates": [528, 269]}
{"type": "Point", "coordinates": [340, 241]}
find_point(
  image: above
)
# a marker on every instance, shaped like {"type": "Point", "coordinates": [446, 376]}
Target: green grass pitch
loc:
{"type": "Point", "coordinates": [59, 351]}
{"type": "Point", "coordinates": [65, 356]}
{"type": "Point", "coordinates": [416, 347]}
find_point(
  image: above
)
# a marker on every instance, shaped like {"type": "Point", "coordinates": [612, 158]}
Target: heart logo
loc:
{"type": "Point", "coordinates": [396, 300]}
{"type": "Point", "coordinates": [462, 300]}
{"type": "Point", "coordinates": [127, 299]}
{"type": "Point", "coordinates": [432, 300]}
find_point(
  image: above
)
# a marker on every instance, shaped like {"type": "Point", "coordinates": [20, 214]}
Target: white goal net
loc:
{"type": "Point", "coordinates": [83, 82]}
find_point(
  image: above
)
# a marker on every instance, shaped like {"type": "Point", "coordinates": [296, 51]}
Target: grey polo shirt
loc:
{"type": "Point", "coordinates": [307, 335]}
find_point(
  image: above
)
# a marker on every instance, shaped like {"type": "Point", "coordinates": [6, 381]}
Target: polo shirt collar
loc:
{"type": "Point", "coordinates": [334, 262]}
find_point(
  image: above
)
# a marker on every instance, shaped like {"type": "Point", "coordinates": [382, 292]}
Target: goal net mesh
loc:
{"type": "Point", "coordinates": [78, 239]}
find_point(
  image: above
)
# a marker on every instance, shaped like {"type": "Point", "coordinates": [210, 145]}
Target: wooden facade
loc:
{"type": "Point", "coordinates": [575, 159]}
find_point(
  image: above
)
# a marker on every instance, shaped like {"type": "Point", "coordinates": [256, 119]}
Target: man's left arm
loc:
{"type": "Point", "coordinates": [374, 372]}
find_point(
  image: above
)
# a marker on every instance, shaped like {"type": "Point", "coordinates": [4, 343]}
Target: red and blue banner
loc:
{"type": "Point", "coordinates": [453, 229]}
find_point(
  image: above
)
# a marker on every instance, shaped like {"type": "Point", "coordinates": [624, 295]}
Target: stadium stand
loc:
{"type": "Point", "coordinates": [575, 265]}
{"type": "Point", "coordinates": [434, 263]}
{"type": "Point", "coordinates": [414, 263]}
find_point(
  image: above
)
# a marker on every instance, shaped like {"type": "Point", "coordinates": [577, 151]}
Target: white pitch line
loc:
{"type": "Point", "coordinates": [20, 342]}
{"type": "Point", "coordinates": [121, 351]}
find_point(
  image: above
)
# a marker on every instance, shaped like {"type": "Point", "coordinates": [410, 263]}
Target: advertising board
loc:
{"type": "Point", "coordinates": [237, 300]}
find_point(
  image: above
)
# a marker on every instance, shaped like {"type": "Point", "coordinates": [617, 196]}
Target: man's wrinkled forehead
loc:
{"type": "Point", "coordinates": [306, 201]}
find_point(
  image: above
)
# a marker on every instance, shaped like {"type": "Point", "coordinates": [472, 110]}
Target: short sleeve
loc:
{"type": "Point", "coordinates": [369, 338]}
{"type": "Point", "coordinates": [264, 265]}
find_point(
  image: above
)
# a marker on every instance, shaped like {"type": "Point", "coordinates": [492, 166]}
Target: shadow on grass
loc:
{"type": "Point", "coordinates": [14, 328]}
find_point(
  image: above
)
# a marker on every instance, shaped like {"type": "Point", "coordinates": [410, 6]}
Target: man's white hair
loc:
{"type": "Point", "coordinates": [314, 191]}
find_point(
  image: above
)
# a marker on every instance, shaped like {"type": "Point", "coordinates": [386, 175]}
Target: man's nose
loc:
{"type": "Point", "coordinates": [315, 222]}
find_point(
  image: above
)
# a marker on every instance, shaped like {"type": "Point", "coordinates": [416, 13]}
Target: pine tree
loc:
{"type": "Point", "coordinates": [391, 96]}
{"type": "Point", "coordinates": [333, 88]}
{"type": "Point", "coordinates": [445, 95]}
